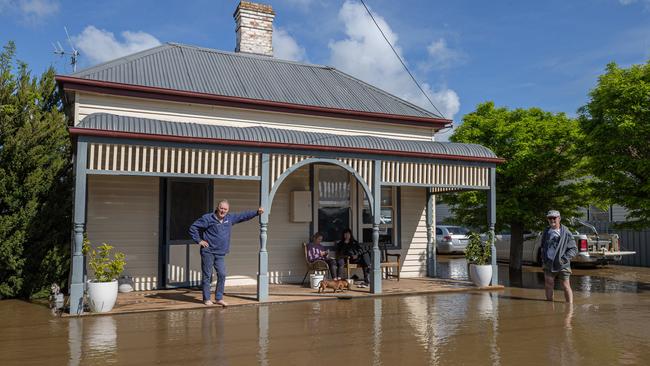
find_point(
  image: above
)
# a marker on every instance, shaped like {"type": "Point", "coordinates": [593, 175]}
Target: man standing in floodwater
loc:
{"type": "Point", "coordinates": [558, 247]}
{"type": "Point", "coordinates": [212, 232]}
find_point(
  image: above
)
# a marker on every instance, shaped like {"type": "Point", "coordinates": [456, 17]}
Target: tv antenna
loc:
{"type": "Point", "coordinates": [74, 54]}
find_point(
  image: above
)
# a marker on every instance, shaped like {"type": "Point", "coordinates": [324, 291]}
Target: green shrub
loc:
{"type": "Point", "coordinates": [35, 181]}
{"type": "Point", "coordinates": [105, 268]}
{"type": "Point", "coordinates": [478, 251]}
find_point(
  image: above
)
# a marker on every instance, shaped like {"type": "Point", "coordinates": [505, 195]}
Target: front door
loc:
{"type": "Point", "coordinates": [187, 200]}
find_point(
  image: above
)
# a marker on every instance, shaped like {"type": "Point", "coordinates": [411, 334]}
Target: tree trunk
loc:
{"type": "Point", "coordinates": [516, 245]}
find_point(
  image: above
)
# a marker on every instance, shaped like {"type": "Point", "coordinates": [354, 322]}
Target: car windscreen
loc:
{"type": "Point", "coordinates": [457, 230]}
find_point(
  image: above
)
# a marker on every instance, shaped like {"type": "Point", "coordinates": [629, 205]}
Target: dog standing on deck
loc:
{"type": "Point", "coordinates": [336, 285]}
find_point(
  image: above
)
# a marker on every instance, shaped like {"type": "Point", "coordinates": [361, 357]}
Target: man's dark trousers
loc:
{"type": "Point", "coordinates": [208, 261]}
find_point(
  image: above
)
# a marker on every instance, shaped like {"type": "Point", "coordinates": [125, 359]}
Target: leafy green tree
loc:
{"type": "Point", "coordinates": [542, 171]}
{"type": "Point", "coordinates": [35, 177]}
{"type": "Point", "coordinates": [616, 124]}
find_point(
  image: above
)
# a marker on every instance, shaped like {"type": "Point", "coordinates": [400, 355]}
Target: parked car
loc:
{"type": "Point", "coordinates": [593, 248]}
{"type": "Point", "coordinates": [451, 239]}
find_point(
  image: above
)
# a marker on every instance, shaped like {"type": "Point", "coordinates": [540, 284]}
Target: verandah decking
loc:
{"type": "Point", "coordinates": [185, 298]}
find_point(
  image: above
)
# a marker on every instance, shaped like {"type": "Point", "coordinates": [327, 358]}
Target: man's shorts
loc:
{"type": "Point", "coordinates": [563, 274]}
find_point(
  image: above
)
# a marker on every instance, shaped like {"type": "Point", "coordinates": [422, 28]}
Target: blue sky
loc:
{"type": "Point", "coordinates": [516, 53]}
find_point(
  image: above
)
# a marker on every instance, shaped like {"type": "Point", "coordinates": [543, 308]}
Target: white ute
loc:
{"type": "Point", "coordinates": [593, 248]}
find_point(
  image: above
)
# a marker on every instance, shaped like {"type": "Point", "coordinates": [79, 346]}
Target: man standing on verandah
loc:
{"type": "Point", "coordinates": [212, 232]}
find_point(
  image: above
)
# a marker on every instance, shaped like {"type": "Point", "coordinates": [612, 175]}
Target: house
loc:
{"type": "Point", "coordinates": [163, 134]}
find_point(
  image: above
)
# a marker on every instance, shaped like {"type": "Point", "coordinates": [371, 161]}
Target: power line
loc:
{"type": "Point", "coordinates": [400, 60]}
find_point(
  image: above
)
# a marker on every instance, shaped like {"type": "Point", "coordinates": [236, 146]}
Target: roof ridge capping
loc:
{"type": "Point", "coordinates": [248, 55]}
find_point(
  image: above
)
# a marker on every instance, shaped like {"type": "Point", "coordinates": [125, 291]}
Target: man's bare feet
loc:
{"type": "Point", "coordinates": [222, 303]}
{"type": "Point", "coordinates": [208, 303]}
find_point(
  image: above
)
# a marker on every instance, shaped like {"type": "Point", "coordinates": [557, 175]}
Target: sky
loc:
{"type": "Point", "coordinates": [518, 54]}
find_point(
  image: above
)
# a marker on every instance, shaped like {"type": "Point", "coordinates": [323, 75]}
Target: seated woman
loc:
{"type": "Point", "coordinates": [317, 252]}
{"type": "Point", "coordinates": [350, 248]}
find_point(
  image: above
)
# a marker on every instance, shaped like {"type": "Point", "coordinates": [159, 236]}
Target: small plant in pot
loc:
{"type": "Point", "coordinates": [102, 291]}
{"type": "Point", "coordinates": [478, 254]}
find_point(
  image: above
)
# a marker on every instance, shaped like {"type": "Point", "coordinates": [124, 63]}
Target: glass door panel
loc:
{"type": "Point", "coordinates": [187, 200]}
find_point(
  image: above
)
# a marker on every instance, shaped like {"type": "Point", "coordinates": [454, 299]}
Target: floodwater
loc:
{"type": "Point", "coordinates": [609, 324]}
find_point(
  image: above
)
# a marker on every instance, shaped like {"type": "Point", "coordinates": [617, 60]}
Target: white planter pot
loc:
{"type": "Point", "coordinates": [102, 296]}
{"type": "Point", "coordinates": [481, 275]}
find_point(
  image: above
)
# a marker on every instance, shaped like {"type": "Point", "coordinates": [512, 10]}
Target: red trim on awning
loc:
{"type": "Point", "coordinates": [140, 91]}
{"type": "Point", "coordinates": [202, 140]}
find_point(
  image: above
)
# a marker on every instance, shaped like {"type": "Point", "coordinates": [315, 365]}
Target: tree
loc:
{"type": "Point", "coordinates": [616, 125]}
{"type": "Point", "coordinates": [542, 170]}
{"type": "Point", "coordinates": [35, 177]}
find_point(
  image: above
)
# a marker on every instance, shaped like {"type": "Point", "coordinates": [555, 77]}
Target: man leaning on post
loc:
{"type": "Point", "coordinates": [558, 247]}
{"type": "Point", "coordinates": [212, 232]}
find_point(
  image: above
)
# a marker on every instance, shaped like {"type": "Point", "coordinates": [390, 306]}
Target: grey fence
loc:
{"type": "Point", "coordinates": [635, 240]}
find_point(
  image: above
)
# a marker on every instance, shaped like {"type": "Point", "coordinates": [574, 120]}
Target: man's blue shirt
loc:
{"type": "Point", "coordinates": [217, 233]}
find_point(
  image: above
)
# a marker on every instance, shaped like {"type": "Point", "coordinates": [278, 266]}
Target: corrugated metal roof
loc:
{"type": "Point", "coordinates": [111, 122]}
{"type": "Point", "coordinates": [202, 70]}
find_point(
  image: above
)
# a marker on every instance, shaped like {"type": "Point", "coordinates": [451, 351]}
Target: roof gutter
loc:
{"type": "Point", "coordinates": [140, 91]}
{"type": "Point", "coordinates": [75, 131]}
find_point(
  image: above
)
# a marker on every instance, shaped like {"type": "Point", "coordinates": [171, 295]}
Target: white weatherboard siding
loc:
{"type": "Point", "coordinates": [124, 212]}
{"type": "Point", "coordinates": [88, 103]}
{"type": "Point", "coordinates": [414, 232]}
{"type": "Point", "coordinates": [286, 254]}
{"type": "Point", "coordinates": [284, 245]}
{"type": "Point", "coordinates": [241, 263]}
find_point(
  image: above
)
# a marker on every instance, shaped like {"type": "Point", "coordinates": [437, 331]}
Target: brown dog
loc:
{"type": "Point", "coordinates": [336, 285]}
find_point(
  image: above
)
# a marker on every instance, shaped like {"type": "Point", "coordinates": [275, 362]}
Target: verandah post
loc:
{"type": "Point", "coordinates": [77, 262]}
{"type": "Point", "coordinates": [492, 218]}
{"type": "Point", "coordinates": [431, 244]}
{"type": "Point", "coordinates": [375, 280]}
{"type": "Point", "coordinates": [263, 264]}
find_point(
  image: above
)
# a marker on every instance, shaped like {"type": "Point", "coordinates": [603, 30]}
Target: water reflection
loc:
{"type": "Point", "coordinates": [214, 336]}
{"type": "Point", "coordinates": [75, 335]}
{"type": "Point", "coordinates": [94, 338]}
{"type": "Point", "coordinates": [608, 325]}
{"type": "Point", "coordinates": [453, 267]}
{"type": "Point", "coordinates": [377, 332]}
{"type": "Point", "coordinates": [263, 335]}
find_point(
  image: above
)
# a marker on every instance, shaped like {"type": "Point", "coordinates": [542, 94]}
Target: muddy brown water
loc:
{"type": "Point", "coordinates": [609, 324]}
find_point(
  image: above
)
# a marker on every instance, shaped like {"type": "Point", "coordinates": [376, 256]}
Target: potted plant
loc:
{"type": "Point", "coordinates": [478, 254]}
{"type": "Point", "coordinates": [102, 291]}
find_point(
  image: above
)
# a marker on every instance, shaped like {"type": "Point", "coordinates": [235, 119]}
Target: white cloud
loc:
{"type": "Point", "coordinates": [443, 57]}
{"type": "Point", "coordinates": [630, 2]}
{"type": "Point", "coordinates": [38, 8]}
{"type": "Point", "coordinates": [99, 45]}
{"type": "Point", "coordinates": [31, 11]}
{"type": "Point", "coordinates": [285, 47]}
{"type": "Point", "coordinates": [366, 55]}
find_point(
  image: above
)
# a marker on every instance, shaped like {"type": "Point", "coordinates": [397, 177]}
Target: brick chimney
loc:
{"type": "Point", "coordinates": [254, 28]}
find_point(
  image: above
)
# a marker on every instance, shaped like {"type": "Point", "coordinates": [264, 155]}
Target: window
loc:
{"type": "Point", "coordinates": [387, 218]}
{"type": "Point", "coordinates": [332, 202]}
